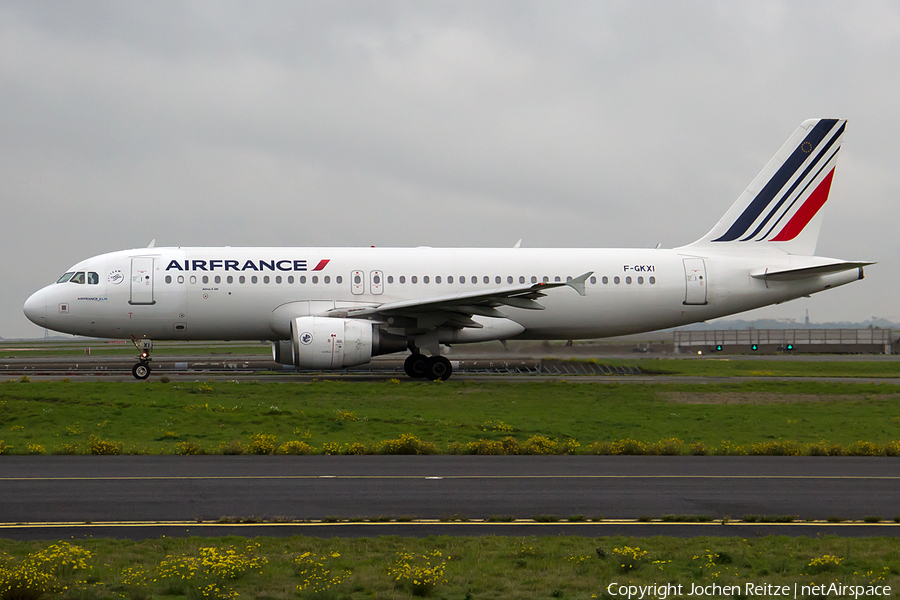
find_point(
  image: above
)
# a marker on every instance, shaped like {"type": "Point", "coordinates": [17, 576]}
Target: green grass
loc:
{"type": "Point", "coordinates": [728, 367]}
{"type": "Point", "coordinates": [154, 417]}
{"type": "Point", "coordinates": [481, 567]}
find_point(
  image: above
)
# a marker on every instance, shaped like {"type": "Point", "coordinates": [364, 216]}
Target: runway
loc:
{"type": "Point", "coordinates": [56, 497]}
{"type": "Point", "coordinates": [142, 496]}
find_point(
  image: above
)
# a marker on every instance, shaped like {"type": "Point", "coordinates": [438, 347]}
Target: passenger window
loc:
{"type": "Point", "coordinates": [303, 279]}
{"type": "Point", "coordinates": [315, 279]}
{"type": "Point", "coordinates": [437, 278]}
{"type": "Point", "coordinates": [290, 279]}
{"type": "Point", "coordinates": [605, 279]}
{"type": "Point", "coordinates": [218, 279]}
{"type": "Point", "coordinates": [168, 279]}
{"type": "Point", "coordinates": [278, 279]}
{"type": "Point", "coordinates": [78, 277]}
{"type": "Point", "coordinates": [93, 278]}
{"type": "Point", "coordinates": [193, 279]}
{"type": "Point", "coordinates": [462, 279]}
{"type": "Point", "coordinates": [254, 279]}
{"type": "Point", "coordinates": [640, 280]}
{"type": "Point", "coordinates": [546, 279]}
{"type": "Point", "coordinates": [653, 280]}
{"type": "Point", "coordinates": [616, 279]}
{"type": "Point", "coordinates": [65, 277]}
{"type": "Point", "coordinates": [266, 279]}
{"type": "Point", "coordinates": [533, 279]}
{"type": "Point", "coordinates": [403, 279]}
{"type": "Point", "coordinates": [557, 278]}
{"type": "Point", "coordinates": [414, 279]}
{"type": "Point", "coordinates": [628, 279]}
{"type": "Point", "coordinates": [339, 279]}
{"type": "Point", "coordinates": [205, 279]}
{"type": "Point", "coordinates": [181, 279]}
{"type": "Point", "coordinates": [509, 279]}
{"type": "Point", "coordinates": [521, 279]}
{"type": "Point", "coordinates": [449, 278]}
{"type": "Point", "coordinates": [593, 280]}
{"type": "Point", "coordinates": [230, 279]}
{"type": "Point", "coordinates": [425, 279]}
{"type": "Point", "coordinates": [242, 279]}
{"type": "Point", "coordinates": [474, 279]}
{"type": "Point", "coordinates": [390, 279]}
{"type": "Point", "coordinates": [326, 279]}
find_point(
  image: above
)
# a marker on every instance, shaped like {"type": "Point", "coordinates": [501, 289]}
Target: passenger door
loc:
{"type": "Point", "coordinates": [142, 280]}
{"type": "Point", "coordinates": [695, 281]}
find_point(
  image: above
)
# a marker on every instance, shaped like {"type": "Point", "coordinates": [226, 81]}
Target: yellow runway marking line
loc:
{"type": "Point", "coordinates": [422, 522]}
{"type": "Point", "coordinates": [437, 477]}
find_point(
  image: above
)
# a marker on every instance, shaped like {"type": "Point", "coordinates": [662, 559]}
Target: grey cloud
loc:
{"type": "Point", "coordinates": [402, 123]}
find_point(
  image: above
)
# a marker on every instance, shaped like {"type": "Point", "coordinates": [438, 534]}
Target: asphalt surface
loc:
{"type": "Point", "coordinates": [142, 496]}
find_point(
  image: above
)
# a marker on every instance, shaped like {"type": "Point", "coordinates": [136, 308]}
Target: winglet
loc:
{"type": "Point", "coordinates": [577, 284]}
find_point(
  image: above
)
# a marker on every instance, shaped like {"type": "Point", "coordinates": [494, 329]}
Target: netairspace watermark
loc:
{"type": "Point", "coordinates": [798, 590]}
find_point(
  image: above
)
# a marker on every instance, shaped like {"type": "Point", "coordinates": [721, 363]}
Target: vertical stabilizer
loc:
{"type": "Point", "coordinates": [781, 207]}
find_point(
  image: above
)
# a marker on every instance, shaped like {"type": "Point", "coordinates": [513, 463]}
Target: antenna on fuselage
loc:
{"type": "Point", "coordinates": [152, 243]}
{"type": "Point", "coordinates": [517, 244]}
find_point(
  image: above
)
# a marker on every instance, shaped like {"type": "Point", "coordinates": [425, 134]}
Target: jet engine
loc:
{"type": "Point", "coordinates": [333, 343]}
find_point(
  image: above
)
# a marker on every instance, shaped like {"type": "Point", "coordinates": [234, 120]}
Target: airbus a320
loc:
{"type": "Point", "coordinates": [331, 308]}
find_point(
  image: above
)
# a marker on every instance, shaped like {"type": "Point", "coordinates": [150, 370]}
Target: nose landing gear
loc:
{"type": "Point", "coordinates": [142, 369]}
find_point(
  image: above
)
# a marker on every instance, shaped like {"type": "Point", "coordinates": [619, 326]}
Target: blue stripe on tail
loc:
{"type": "Point", "coordinates": [778, 181]}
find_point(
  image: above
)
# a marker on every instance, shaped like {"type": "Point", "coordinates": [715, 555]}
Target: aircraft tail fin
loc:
{"type": "Point", "coordinates": [781, 206]}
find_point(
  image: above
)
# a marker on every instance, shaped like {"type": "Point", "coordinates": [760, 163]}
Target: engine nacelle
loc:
{"type": "Point", "coordinates": [333, 343]}
{"type": "Point", "coordinates": [327, 343]}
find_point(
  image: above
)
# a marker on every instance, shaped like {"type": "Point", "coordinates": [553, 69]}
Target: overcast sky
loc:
{"type": "Point", "coordinates": [588, 124]}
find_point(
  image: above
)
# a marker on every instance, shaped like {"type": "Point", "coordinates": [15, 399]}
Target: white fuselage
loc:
{"type": "Point", "coordinates": [252, 293]}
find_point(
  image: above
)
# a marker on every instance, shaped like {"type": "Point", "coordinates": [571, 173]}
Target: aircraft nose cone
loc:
{"type": "Point", "coordinates": [36, 308]}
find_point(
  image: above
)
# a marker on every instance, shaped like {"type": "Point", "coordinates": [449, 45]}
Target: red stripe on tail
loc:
{"type": "Point", "coordinates": [806, 212]}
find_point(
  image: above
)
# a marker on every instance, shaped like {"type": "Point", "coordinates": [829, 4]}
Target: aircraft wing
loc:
{"type": "Point", "coordinates": [456, 309]}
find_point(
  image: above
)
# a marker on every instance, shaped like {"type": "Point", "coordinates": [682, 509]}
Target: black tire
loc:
{"type": "Point", "coordinates": [438, 368]}
{"type": "Point", "coordinates": [141, 371]}
{"type": "Point", "coordinates": [414, 365]}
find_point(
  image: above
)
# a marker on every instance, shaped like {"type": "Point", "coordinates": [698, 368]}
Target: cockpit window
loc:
{"type": "Point", "coordinates": [93, 278]}
{"type": "Point", "coordinates": [65, 277]}
{"type": "Point", "coordinates": [77, 277]}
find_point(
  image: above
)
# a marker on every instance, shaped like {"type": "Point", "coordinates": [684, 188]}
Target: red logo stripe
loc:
{"type": "Point", "coordinates": [322, 264]}
{"type": "Point", "coordinates": [806, 212]}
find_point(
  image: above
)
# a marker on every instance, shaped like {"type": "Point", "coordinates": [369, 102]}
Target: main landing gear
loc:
{"type": "Point", "coordinates": [435, 368]}
{"type": "Point", "coordinates": [142, 369]}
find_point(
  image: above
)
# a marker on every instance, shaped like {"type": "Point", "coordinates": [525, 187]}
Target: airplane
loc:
{"type": "Point", "coordinates": [331, 308]}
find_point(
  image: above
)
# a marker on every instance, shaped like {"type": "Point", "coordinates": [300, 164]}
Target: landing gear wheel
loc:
{"type": "Point", "coordinates": [438, 368]}
{"type": "Point", "coordinates": [141, 371]}
{"type": "Point", "coordinates": [414, 365]}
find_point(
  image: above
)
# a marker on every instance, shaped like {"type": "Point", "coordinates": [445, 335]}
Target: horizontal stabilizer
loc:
{"type": "Point", "coordinates": [807, 272]}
